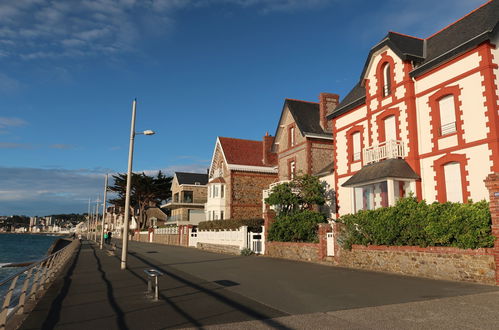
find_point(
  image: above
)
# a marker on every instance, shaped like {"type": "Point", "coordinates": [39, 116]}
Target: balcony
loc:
{"type": "Point", "coordinates": [386, 150]}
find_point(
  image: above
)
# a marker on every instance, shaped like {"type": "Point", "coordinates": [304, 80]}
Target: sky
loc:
{"type": "Point", "coordinates": [69, 71]}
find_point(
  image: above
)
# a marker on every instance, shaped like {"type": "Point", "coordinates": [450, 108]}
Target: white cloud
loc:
{"type": "Point", "coordinates": [12, 122]}
{"type": "Point", "coordinates": [11, 145]}
{"type": "Point", "coordinates": [38, 29]}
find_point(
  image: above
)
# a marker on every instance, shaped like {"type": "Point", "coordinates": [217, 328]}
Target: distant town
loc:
{"type": "Point", "coordinates": [57, 223]}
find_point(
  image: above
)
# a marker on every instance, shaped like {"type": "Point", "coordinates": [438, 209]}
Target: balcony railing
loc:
{"type": "Point", "coordinates": [385, 150]}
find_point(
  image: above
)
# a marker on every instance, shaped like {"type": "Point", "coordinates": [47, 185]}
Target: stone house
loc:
{"type": "Point", "coordinates": [423, 118]}
{"type": "Point", "coordinates": [304, 142]}
{"type": "Point", "coordinates": [239, 171]}
{"type": "Point", "coordinates": [189, 191]}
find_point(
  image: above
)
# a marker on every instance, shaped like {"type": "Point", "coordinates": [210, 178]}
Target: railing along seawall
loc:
{"type": "Point", "coordinates": [27, 286]}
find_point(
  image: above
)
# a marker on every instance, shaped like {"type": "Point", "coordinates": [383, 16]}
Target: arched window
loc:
{"type": "Point", "coordinates": [356, 146]}
{"type": "Point", "coordinates": [451, 178]}
{"type": "Point", "coordinates": [386, 79]}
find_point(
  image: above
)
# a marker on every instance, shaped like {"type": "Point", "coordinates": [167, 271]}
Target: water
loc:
{"type": "Point", "coordinates": [22, 248]}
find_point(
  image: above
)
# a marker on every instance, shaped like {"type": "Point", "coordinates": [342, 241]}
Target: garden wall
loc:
{"type": "Point", "coordinates": [294, 251]}
{"type": "Point", "coordinates": [433, 262]}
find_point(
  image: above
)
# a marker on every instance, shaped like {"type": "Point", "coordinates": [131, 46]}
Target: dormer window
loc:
{"type": "Point", "coordinates": [386, 79]}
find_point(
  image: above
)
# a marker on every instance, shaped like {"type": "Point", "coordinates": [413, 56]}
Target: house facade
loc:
{"type": "Point", "coordinates": [423, 118]}
{"type": "Point", "coordinates": [239, 171]}
{"type": "Point", "coordinates": [189, 194]}
{"type": "Point", "coordinates": [304, 142]}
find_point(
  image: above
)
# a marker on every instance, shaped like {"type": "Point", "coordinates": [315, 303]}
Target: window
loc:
{"type": "Point", "coordinates": [292, 169]}
{"type": "Point", "coordinates": [356, 146]}
{"type": "Point", "coordinates": [222, 191]}
{"type": "Point", "coordinates": [291, 136]}
{"type": "Point", "coordinates": [447, 115]}
{"type": "Point", "coordinates": [188, 196]}
{"type": "Point", "coordinates": [453, 185]}
{"type": "Point", "coordinates": [386, 79]}
{"type": "Point", "coordinates": [390, 129]}
{"type": "Point", "coordinates": [364, 198]}
{"type": "Point", "coordinates": [175, 198]}
{"type": "Point", "coordinates": [221, 215]}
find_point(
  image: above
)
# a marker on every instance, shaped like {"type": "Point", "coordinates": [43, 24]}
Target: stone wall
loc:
{"type": "Point", "coordinates": [246, 194]}
{"type": "Point", "coordinates": [433, 262]}
{"type": "Point", "coordinates": [168, 239]}
{"type": "Point", "coordinates": [219, 248]}
{"type": "Point", "coordinates": [294, 251]}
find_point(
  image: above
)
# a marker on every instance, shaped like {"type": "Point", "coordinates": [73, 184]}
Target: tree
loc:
{"type": "Point", "coordinates": [295, 202]}
{"type": "Point", "coordinates": [146, 191]}
{"type": "Point", "coordinates": [302, 193]}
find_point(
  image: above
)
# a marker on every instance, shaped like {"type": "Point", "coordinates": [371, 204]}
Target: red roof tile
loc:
{"type": "Point", "coordinates": [242, 152]}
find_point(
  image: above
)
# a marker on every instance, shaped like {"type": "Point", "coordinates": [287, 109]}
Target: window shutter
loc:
{"type": "Point", "coordinates": [453, 187]}
{"type": "Point", "coordinates": [390, 129]}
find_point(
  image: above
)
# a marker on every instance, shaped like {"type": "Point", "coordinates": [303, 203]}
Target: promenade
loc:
{"type": "Point", "coordinates": [207, 290]}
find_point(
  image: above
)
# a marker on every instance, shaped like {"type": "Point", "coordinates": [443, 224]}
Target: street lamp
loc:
{"type": "Point", "coordinates": [124, 248]}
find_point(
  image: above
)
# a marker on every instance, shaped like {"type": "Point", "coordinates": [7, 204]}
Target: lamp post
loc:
{"type": "Point", "coordinates": [103, 213]}
{"type": "Point", "coordinates": [124, 248]}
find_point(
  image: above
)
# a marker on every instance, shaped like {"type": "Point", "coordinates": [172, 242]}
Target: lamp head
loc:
{"type": "Point", "coordinates": [148, 132]}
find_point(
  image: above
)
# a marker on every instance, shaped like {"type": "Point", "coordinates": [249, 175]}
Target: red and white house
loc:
{"type": "Point", "coordinates": [423, 118]}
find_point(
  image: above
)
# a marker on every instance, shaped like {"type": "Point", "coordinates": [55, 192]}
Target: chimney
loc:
{"type": "Point", "coordinates": [269, 157]}
{"type": "Point", "coordinates": [327, 103]}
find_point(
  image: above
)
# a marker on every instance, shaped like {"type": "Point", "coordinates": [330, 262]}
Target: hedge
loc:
{"type": "Point", "coordinates": [413, 223]}
{"type": "Point", "coordinates": [298, 227]}
{"type": "Point", "coordinates": [254, 225]}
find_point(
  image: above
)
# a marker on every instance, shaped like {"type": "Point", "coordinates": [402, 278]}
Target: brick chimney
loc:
{"type": "Point", "coordinates": [327, 103]}
{"type": "Point", "coordinates": [269, 158]}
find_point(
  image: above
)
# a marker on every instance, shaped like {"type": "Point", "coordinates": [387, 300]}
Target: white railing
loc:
{"type": "Point", "coordinates": [385, 150]}
{"type": "Point", "coordinates": [28, 285]}
{"type": "Point", "coordinates": [166, 230]}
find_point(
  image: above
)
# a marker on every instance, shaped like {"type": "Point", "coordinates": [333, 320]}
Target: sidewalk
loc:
{"type": "Point", "coordinates": [96, 294]}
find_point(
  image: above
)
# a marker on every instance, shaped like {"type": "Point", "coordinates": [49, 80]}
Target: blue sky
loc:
{"type": "Point", "coordinates": [199, 69]}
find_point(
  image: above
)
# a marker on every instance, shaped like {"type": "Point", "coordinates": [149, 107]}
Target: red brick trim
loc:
{"type": "Point", "coordinates": [309, 157]}
{"type": "Point", "coordinates": [435, 123]}
{"type": "Point", "coordinates": [349, 135]}
{"type": "Point", "coordinates": [438, 166]}
{"type": "Point", "coordinates": [491, 102]}
{"type": "Point", "coordinates": [381, 125]}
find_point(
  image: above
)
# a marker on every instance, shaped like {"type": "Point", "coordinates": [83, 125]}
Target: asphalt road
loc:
{"type": "Point", "coordinates": [207, 290]}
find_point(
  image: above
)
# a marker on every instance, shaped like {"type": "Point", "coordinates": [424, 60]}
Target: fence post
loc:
{"type": "Point", "coordinates": [492, 184]}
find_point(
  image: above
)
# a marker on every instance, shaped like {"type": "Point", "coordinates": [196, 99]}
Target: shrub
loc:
{"type": "Point", "coordinates": [246, 252]}
{"type": "Point", "coordinates": [298, 227]}
{"type": "Point", "coordinates": [411, 223]}
{"type": "Point", "coordinates": [254, 225]}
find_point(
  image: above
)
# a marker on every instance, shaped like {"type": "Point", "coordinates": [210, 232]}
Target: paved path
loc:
{"type": "Point", "coordinates": [207, 290]}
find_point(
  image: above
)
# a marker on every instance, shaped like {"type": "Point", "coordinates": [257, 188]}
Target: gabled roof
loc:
{"type": "Point", "coordinates": [474, 28]}
{"type": "Point", "coordinates": [242, 152]}
{"type": "Point", "coordinates": [191, 178]}
{"type": "Point", "coordinates": [306, 116]}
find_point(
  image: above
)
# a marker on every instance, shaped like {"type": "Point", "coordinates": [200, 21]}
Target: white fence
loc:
{"type": "Point", "coordinates": [240, 237]}
{"type": "Point", "coordinates": [166, 230]}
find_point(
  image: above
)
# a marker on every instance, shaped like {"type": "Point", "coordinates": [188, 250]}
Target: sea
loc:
{"type": "Point", "coordinates": [22, 248]}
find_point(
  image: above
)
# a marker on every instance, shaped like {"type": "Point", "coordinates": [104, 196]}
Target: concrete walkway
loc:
{"type": "Point", "coordinates": [207, 290]}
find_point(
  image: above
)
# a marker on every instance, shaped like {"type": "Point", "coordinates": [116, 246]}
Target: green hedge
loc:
{"type": "Point", "coordinates": [413, 223]}
{"type": "Point", "coordinates": [254, 225]}
{"type": "Point", "coordinates": [298, 227]}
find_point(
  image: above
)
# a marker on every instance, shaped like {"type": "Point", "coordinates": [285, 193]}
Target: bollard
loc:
{"type": "Point", "coordinates": [153, 274]}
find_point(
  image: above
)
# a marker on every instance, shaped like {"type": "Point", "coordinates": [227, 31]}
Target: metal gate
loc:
{"type": "Point", "coordinates": [330, 244]}
{"type": "Point", "coordinates": [255, 242]}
